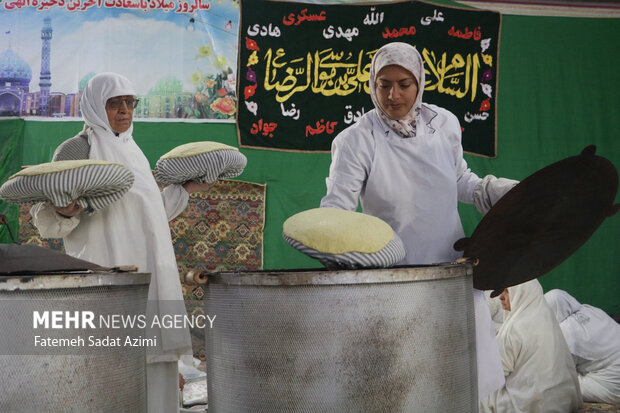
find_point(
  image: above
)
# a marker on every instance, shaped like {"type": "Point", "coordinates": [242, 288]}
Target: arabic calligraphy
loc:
{"type": "Point", "coordinates": [403, 31]}
{"type": "Point", "coordinates": [186, 7]}
{"type": "Point", "coordinates": [470, 117]}
{"type": "Point", "coordinates": [348, 34]}
{"type": "Point", "coordinates": [324, 72]}
{"type": "Point", "coordinates": [351, 117]}
{"type": "Point", "coordinates": [264, 128]}
{"type": "Point", "coordinates": [461, 72]}
{"type": "Point", "coordinates": [466, 33]}
{"type": "Point", "coordinates": [257, 29]}
{"type": "Point", "coordinates": [81, 5]}
{"type": "Point", "coordinates": [293, 112]}
{"type": "Point", "coordinates": [296, 20]}
{"type": "Point", "coordinates": [373, 18]}
{"type": "Point", "coordinates": [321, 126]}
{"type": "Point", "coordinates": [436, 17]}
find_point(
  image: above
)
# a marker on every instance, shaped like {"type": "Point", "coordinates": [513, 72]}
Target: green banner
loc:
{"type": "Point", "coordinates": [11, 147]}
{"type": "Point", "coordinates": [303, 68]}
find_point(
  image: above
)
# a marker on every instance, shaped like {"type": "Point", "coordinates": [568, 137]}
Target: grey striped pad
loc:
{"type": "Point", "coordinates": [203, 167]}
{"type": "Point", "coordinates": [94, 186]}
{"type": "Point", "coordinates": [388, 256]}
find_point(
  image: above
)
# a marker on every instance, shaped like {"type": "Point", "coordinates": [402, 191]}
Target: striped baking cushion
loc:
{"type": "Point", "coordinates": [94, 183]}
{"type": "Point", "coordinates": [201, 162]}
{"type": "Point", "coordinates": [344, 239]}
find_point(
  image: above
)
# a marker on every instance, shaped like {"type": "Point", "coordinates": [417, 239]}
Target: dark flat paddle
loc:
{"type": "Point", "coordinates": [542, 221]}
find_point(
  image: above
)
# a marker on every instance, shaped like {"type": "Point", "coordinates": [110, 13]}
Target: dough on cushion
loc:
{"type": "Point", "coordinates": [94, 183]}
{"type": "Point", "coordinates": [344, 239]}
{"type": "Point", "coordinates": [59, 166]}
{"type": "Point", "coordinates": [200, 161]}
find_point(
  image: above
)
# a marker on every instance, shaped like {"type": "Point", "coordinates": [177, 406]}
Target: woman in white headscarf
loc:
{"type": "Point", "coordinates": [132, 231]}
{"type": "Point", "coordinates": [540, 373]}
{"type": "Point", "coordinates": [593, 339]}
{"type": "Point", "coordinates": [497, 314]}
{"type": "Point", "coordinates": [404, 161]}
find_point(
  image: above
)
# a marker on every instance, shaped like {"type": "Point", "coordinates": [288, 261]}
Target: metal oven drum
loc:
{"type": "Point", "coordinates": [392, 340]}
{"type": "Point", "coordinates": [57, 380]}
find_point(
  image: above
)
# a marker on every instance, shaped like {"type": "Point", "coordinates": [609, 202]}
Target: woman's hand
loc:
{"type": "Point", "coordinates": [193, 186]}
{"type": "Point", "coordinates": [70, 210]}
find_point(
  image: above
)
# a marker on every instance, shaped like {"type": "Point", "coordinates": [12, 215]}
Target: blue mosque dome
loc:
{"type": "Point", "coordinates": [13, 68]}
{"type": "Point", "coordinates": [84, 81]}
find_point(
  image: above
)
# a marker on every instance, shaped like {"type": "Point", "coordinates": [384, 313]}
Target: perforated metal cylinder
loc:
{"type": "Point", "coordinates": [84, 383]}
{"type": "Point", "coordinates": [394, 340]}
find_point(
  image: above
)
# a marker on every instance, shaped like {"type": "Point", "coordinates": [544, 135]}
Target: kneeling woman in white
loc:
{"type": "Point", "coordinates": [540, 374]}
{"type": "Point", "coordinates": [593, 339]}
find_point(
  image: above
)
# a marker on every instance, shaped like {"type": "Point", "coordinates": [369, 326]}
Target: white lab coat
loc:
{"type": "Point", "coordinates": [593, 339]}
{"type": "Point", "coordinates": [414, 184]}
{"type": "Point", "coordinates": [540, 374]}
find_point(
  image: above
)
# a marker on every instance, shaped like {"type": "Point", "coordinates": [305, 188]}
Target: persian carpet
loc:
{"type": "Point", "coordinates": [28, 233]}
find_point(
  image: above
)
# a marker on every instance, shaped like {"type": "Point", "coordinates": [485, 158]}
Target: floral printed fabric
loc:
{"type": "Point", "coordinates": [406, 56]}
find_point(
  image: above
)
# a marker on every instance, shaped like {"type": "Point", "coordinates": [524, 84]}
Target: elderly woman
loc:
{"type": "Point", "coordinates": [593, 339]}
{"type": "Point", "coordinates": [404, 161]}
{"type": "Point", "coordinates": [134, 230]}
{"type": "Point", "coordinates": [540, 374]}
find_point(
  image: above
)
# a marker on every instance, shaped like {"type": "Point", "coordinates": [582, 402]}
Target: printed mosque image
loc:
{"type": "Point", "coordinates": [16, 99]}
{"type": "Point", "coordinates": [165, 100]}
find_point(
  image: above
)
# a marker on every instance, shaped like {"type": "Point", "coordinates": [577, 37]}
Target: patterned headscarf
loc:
{"type": "Point", "coordinates": [406, 56]}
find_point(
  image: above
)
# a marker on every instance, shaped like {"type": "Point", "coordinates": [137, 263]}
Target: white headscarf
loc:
{"type": "Point", "coordinates": [541, 375]}
{"type": "Point", "coordinates": [97, 92]}
{"type": "Point", "coordinates": [526, 297]}
{"type": "Point", "coordinates": [406, 56]}
{"type": "Point", "coordinates": [134, 230]}
{"type": "Point", "coordinates": [589, 332]}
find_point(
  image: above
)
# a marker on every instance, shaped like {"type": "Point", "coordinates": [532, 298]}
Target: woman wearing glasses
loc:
{"type": "Point", "coordinates": [132, 231]}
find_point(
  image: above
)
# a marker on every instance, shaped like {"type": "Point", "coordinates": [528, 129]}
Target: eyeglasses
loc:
{"type": "Point", "coordinates": [116, 103]}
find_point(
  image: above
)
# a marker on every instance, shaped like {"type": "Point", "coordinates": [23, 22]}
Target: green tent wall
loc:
{"type": "Point", "coordinates": [558, 93]}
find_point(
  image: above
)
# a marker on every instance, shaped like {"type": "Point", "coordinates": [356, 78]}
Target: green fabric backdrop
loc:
{"type": "Point", "coordinates": [557, 94]}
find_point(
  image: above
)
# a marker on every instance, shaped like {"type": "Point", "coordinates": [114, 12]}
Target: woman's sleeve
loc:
{"type": "Point", "coordinates": [510, 348]}
{"type": "Point", "coordinates": [482, 192]}
{"type": "Point", "coordinates": [489, 190]}
{"type": "Point", "coordinates": [49, 223]}
{"type": "Point", "coordinates": [175, 199]}
{"type": "Point", "coordinates": [347, 175]}
{"type": "Point", "coordinates": [44, 216]}
{"type": "Point", "coordinates": [466, 180]}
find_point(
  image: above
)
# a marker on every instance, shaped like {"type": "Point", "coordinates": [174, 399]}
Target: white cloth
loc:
{"type": "Point", "coordinates": [540, 374]}
{"type": "Point", "coordinates": [414, 184]}
{"type": "Point", "coordinates": [133, 230]}
{"type": "Point", "coordinates": [593, 339]}
{"type": "Point", "coordinates": [162, 380]}
{"type": "Point", "coordinates": [497, 314]}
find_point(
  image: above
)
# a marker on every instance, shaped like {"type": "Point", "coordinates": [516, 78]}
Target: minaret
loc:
{"type": "Point", "coordinates": [45, 79]}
